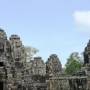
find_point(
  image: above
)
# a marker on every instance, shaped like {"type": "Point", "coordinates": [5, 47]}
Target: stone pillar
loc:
{"type": "Point", "coordinates": [88, 84]}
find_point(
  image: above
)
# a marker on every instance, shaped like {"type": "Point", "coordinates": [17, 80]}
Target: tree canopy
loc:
{"type": "Point", "coordinates": [74, 63]}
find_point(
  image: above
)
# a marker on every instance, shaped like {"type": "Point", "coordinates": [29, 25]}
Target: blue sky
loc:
{"type": "Point", "coordinates": [52, 26]}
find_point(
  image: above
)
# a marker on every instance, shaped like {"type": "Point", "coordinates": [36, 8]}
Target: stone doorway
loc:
{"type": "Point", "coordinates": [1, 85]}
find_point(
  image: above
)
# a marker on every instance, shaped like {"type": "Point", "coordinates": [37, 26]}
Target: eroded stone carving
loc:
{"type": "Point", "coordinates": [87, 54]}
{"type": "Point", "coordinates": [38, 66]}
{"type": "Point", "coordinates": [53, 65]}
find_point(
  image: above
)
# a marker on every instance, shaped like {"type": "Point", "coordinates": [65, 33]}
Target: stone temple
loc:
{"type": "Point", "coordinates": [18, 74]}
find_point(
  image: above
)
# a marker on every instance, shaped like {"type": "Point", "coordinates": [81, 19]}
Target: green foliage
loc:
{"type": "Point", "coordinates": [73, 63]}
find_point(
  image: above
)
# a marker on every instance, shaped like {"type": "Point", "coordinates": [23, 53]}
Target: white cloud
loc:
{"type": "Point", "coordinates": [82, 18]}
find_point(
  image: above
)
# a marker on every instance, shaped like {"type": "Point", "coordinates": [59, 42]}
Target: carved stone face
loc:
{"type": "Point", "coordinates": [53, 64]}
{"type": "Point", "coordinates": [1, 46]}
{"type": "Point", "coordinates": [2, 34]}
{"type": "Point", "coordinates": [87, 54]}
{"type": "Point", "coordinates": [16, 46]}
{"type": "Point", "coordinates": [15, 40]}
{"type": "Point", "coordinates": [2, 37]}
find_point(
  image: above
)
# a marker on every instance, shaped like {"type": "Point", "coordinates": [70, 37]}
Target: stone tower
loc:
{"type": "Point", "coordinates": [53, 65]}
{"type": "Point", "coordinates": [5, 60]}
{"type": "Point", "coordinates": [18, 57]}
{"type": "Point", "coordinates": [18, 51]}
{"type": "Point", "coordinates": [87, 54]}
{"type": "Point", "coordinates": [38, 66]}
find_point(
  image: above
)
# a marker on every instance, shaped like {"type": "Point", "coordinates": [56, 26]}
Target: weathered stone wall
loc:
{"type": "Point", "coordinates": [68, 83]}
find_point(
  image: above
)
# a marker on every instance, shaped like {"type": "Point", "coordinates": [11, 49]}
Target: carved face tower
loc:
{"type": "Point", "coordinates": [3, 39]}
{"type": "Point", "coordinates": [87, 54]}
{"type": "Point", "coordinates": [16, 45]}
{"type": "Point", "coordinates": [53, 65]}
{"type": "Point", "coordinates": [2, 34]}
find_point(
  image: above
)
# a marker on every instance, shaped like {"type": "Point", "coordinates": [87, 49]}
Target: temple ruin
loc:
{"type": "Point", "coordinates": [18, 74]}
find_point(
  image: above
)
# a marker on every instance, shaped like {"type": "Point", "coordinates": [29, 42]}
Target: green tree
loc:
{"type": "Point", "coordinates": [74, 63]}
